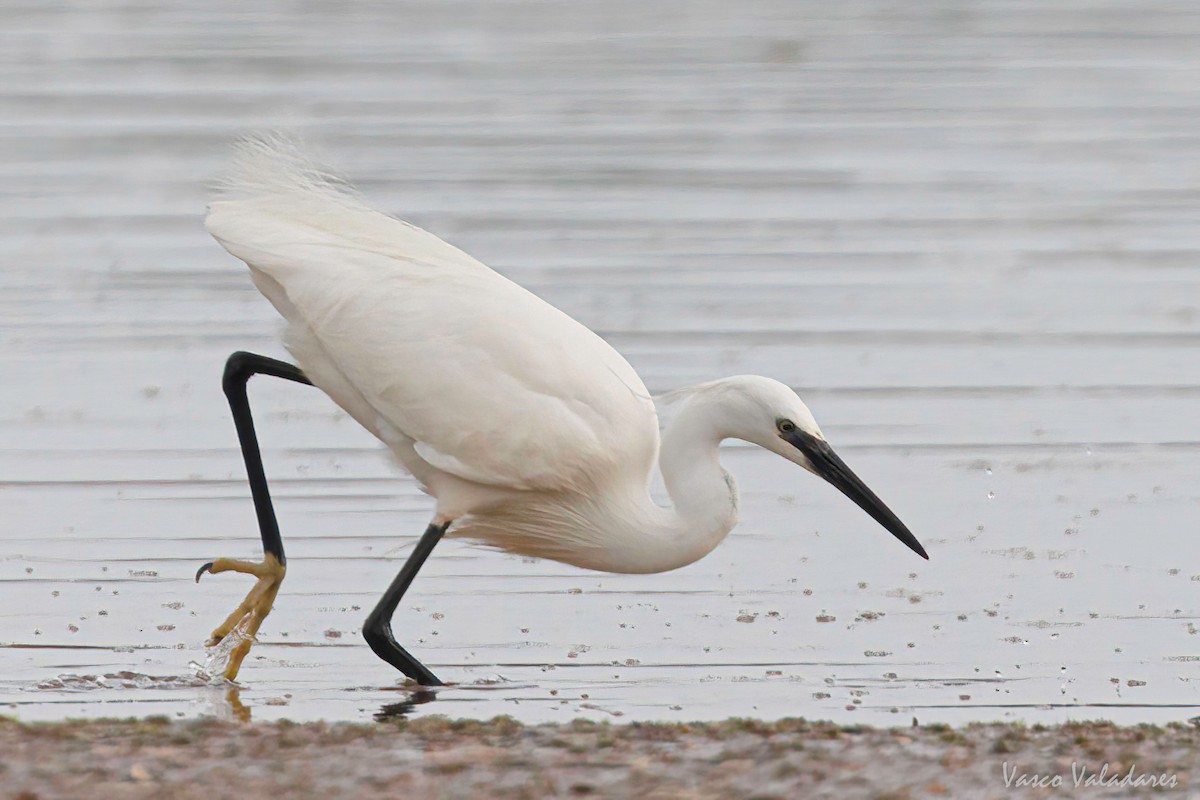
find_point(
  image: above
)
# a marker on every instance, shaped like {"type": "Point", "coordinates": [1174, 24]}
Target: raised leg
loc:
{"type": "Point", "coordinates": [378, 628]}
{"type": "Point", "coordinates": [249, 615]}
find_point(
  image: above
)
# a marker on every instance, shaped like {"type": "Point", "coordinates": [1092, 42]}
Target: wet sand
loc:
{"type": "Point", "coordinates": [434, 757]}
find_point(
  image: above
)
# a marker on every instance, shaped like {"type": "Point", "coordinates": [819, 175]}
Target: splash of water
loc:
{"type": "Point", "coordinates": [119, 680]}
{"type": "Point", "coordinates": [216, 658]}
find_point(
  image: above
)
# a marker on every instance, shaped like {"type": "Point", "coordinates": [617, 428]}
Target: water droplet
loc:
{"type": "Point", "coordinates": [991, 495]}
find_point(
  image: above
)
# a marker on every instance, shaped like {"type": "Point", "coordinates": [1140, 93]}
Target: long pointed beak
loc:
{"type": "Point", "coordinates": [830, 466]}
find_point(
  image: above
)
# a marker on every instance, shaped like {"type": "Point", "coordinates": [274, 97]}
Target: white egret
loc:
{"type": "Point", "coordinates": [530, 431]}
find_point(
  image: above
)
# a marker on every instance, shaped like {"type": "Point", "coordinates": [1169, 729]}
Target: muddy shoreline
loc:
{"type": "Point", "coordinates": [501, 758]}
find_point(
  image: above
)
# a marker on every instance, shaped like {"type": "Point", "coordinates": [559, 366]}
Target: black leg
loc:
{"type": "Point", "coordinates": [378, 628]}
{"type": "Point", "coordinates": [251, 612]}
{"type": "Point", "coordinates": [238, 369]}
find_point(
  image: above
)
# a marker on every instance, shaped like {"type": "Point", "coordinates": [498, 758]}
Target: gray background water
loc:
{"type": "Point", "coordinates": [965, 232]}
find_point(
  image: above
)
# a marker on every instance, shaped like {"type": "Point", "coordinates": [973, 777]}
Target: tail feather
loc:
{"type": "Point", "coordinates": [274, 167]}
{"type": "Point", "coordinates": [274, 197]}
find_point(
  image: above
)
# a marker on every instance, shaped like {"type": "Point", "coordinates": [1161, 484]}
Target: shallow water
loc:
{"type": "Point", "coordinates": [967, 236]}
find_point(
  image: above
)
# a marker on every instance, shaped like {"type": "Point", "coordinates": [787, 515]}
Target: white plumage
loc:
{"type": "Point", "coordinates": [534, 435]}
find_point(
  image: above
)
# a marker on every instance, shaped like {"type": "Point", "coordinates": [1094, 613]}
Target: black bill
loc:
{"type": "Point", "coordinates": [830, 466]}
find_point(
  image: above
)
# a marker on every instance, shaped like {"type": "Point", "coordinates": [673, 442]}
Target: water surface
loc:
{"type": "Point", "coordinates": [966, 234]}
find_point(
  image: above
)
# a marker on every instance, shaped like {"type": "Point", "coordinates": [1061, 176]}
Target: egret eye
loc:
{"type": "Point", "coordinates": [786, 426]}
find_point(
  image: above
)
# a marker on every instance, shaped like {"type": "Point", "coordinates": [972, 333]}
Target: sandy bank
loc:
{"type": "Point", "coordinates": [434, 757]}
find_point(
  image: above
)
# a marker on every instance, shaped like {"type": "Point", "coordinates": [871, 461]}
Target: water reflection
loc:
{"type": "Point", "coordinates": [233, 699]}
{"type": "Point", "coordinates": [392, 712]}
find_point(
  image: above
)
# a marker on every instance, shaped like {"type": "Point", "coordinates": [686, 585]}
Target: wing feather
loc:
{"type": "Point", "coordinates": [496, 385]}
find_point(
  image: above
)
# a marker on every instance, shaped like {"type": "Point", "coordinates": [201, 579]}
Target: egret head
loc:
{"type": "Point", "coordinates": [772, 416]}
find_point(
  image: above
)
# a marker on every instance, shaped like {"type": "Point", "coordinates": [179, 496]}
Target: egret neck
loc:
{"type": "Point", "coordinates": [703, 494]}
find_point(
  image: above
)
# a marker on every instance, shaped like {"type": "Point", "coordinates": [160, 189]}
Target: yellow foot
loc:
{"type": "Point", "coordinates": [248, 616]}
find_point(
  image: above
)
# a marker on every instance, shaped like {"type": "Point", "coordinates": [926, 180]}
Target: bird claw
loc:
{"type": "Point", "coordinates": [250, 613]}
